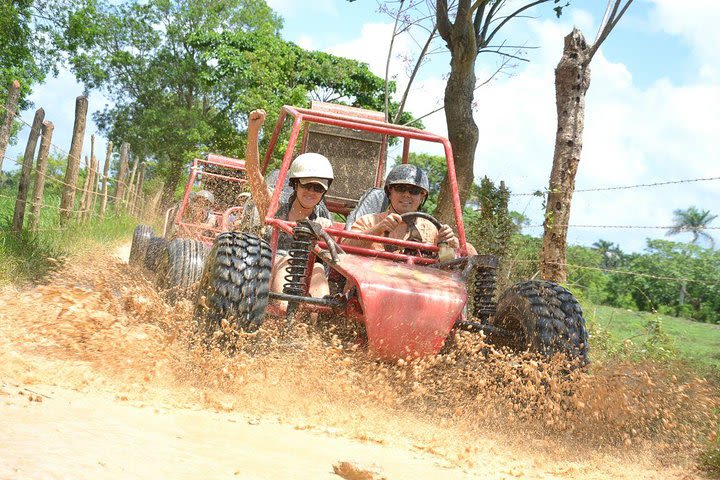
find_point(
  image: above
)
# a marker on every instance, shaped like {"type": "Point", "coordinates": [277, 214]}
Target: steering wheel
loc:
{"type": "Point", "coordinates": [406, 217]}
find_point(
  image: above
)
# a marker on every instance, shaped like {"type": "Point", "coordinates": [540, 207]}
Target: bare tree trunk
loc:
{"type": "Point", "coordinates": [572, 79]}
{"type": "Point", "coordinates": [24, 183]}
{"type": "Point", "coordinates": [9, 114]}
{"type": "Point", "coordinates": [462, 129]}
{"type": "Point", "coordinates": [40, 172]}
{"type": "Point", "coordinates": [122, 174]}
{"type": "Point", "coordinates": [67, 202]}
{"type": "Point", "coordinates": [106, 169]}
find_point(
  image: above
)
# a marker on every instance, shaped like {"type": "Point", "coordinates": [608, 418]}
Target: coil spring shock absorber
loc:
{"type": "Point", "coordinates": [484, 304]}
{"type": "Point", "coordinates": [299, 253]}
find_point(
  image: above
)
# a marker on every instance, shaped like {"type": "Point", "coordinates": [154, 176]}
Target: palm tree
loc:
{"type": "Point", "coordinates": [610, 252]}
{"type": "Point", "coordinates": [694, 221]}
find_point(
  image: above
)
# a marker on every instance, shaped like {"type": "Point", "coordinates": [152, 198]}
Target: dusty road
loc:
{"type": "Point", "coordinates": [97, 380]}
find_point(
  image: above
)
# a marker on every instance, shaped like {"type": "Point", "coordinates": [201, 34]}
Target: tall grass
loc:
{"type": "Point", "coordinates": [29, 257]}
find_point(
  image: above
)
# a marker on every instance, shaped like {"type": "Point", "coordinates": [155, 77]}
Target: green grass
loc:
{"type": "Point", "coordinates": [30, 257]}
{"type": "Point", "coordinates": [617, 332]}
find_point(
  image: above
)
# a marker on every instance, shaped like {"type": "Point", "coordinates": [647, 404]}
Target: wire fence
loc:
{"type": "Point", "coordinates": [542, 192]}
{"type": "Point", "coordinates": [94, 191]}
{"type": "Point", "coordinates": [679, 280]}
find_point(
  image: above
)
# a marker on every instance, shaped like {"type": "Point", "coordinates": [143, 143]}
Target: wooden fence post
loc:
{"type": "Point", "coordinates": [137, 201]}
{"type": "Point", "coordinates": [71, 173]}
{"type": "Point", "coordinates": [21, 200]}
{"type": "Point", "coordinates": [127, 200]}
{"type": "Point", "coordinates": [9, 114]}
{"type": "Point", "coordinates": [150, 208]}
{"type": "Point", "coordinates": [88, 178]}
{"type": "Point", "coordinates": [40, 172]}
{"type": "Point", "coordinates": [106, 169]}
{"type": "Point", "coordinates": [86, 182]}
{"type": "Point", "coordinates": [122, 173]}
{"type": "Point", "coordinates": [92, 186]}
{"type": "Point", "coordinates": [96, 188]}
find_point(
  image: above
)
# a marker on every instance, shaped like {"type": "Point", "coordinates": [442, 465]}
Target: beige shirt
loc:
{"type": "Point", "coordinates": [421, 231]}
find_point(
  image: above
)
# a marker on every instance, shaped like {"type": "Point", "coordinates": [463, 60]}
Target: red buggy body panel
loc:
{"type": "Point", "coordinates": [408, 310]}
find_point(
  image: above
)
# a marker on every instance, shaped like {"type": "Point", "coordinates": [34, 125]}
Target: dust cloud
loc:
{"type": "Point", "coordinates": [99, 327]}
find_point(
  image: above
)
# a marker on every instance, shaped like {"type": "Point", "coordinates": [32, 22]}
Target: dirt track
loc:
{"type": "Point", "coordinates": [97, 381]}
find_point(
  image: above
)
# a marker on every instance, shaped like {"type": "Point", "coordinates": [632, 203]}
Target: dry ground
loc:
{"type": "Point", "coordinates": [99, 380]}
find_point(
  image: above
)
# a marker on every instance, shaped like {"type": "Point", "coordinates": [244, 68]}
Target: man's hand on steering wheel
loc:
{"type": "Point", "coordinates": [446, 235]}
{"type": "Point", "coordinates": [388, 224]}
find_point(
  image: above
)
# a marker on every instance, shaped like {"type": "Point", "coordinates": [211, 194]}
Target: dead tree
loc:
{"type": "Point", "coordinates": [572, 80]}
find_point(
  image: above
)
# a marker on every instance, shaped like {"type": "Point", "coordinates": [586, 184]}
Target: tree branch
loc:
{"type": "Point", "coordinates": [387, 62]}
{"type": "Point", "coordinates": [412, 76]}
{"type": "Point", "coordinates": [489, 79]}
{"type": "Point", "coordinates": [442, 20]}
{"type": "Point", "coordinates": [607, 28]}
{"type": "Point", "coordinates": [510, 17]}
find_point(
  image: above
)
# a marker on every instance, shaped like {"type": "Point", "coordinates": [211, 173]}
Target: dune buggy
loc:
{"type": "Point", "coordinates": [176, 258]}
{"type": "Point", "coordinates": [407, 301]}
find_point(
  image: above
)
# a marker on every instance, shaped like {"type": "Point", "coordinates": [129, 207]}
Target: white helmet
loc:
{"type": "Point", "coordinates": [311, 165]}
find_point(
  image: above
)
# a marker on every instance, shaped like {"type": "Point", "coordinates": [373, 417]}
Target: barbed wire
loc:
{"type": "Point", "coordinates": [638, 227]}
{"type": "Point", "coordinates": [48, 176]}
{"type": "Point", "coordinates": [52, 207]}
{"type": "Point", "coordinates": [622, 272]}
{"type": "Point", "coordinates": [65, 153]}
{"type": "Point", "coordinates": [541, 193]}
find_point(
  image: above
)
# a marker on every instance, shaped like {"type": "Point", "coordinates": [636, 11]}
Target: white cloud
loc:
{"type": "Point", "coordinates": [306, 42]}
{"type": "Point", "coordinates": [695, 22]}
{"type": "Point", "coordinates": [289, 8]}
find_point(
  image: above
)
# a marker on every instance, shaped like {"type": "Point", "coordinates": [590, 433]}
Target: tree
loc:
{"type": "Point", "coordinates": [694, 221]}
{"type": "Point", "coordinates": [611, 253]}
{"type": "Point", "coordinates": [183, 74]}
{"type": "Point", "coordinates": [467, 29]}
{"type": "Point", "coordinates": [572, 80]}
{"type": "Point", "coordinates": [22, 57]}
{"type": "Point", "coordinates": [141, 55]}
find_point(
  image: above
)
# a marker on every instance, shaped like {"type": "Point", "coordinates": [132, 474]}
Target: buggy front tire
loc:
{"type": "Point", "coordinates": [235, 284]}
{"type": "Point", "coordinates": [542, 317]}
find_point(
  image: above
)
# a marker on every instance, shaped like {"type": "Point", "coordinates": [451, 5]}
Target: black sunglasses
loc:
{"type": "Point", "coordinates": [315, 187]}
{"type": "Point", "coordinates": [412, 189]}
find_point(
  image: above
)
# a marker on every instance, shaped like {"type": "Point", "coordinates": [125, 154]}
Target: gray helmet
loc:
{"type": "Point", "coordinates": [409, 175]}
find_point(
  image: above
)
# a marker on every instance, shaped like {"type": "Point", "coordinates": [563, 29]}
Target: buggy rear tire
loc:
{"type": "Point", "coordinates": [154, 249]}
{"type": "Point", "coordinates": [235, 283]}
{"type": "Point", "coordinates": [141, 236]}
{"type": "Point", "coordinates": [180, 266]}
{"type": "Point", "coordinates": [542, 317]}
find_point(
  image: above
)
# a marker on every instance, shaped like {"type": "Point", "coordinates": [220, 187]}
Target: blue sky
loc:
{"type": "Point", "coordinates": [651, 110]}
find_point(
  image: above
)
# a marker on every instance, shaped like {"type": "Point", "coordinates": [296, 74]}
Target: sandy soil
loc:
{"type": "Point", "coordinates": [98, 379]}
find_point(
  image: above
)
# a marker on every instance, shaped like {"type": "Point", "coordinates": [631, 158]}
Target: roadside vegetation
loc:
{"type": "Point", "coordinates": [30, 257]}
